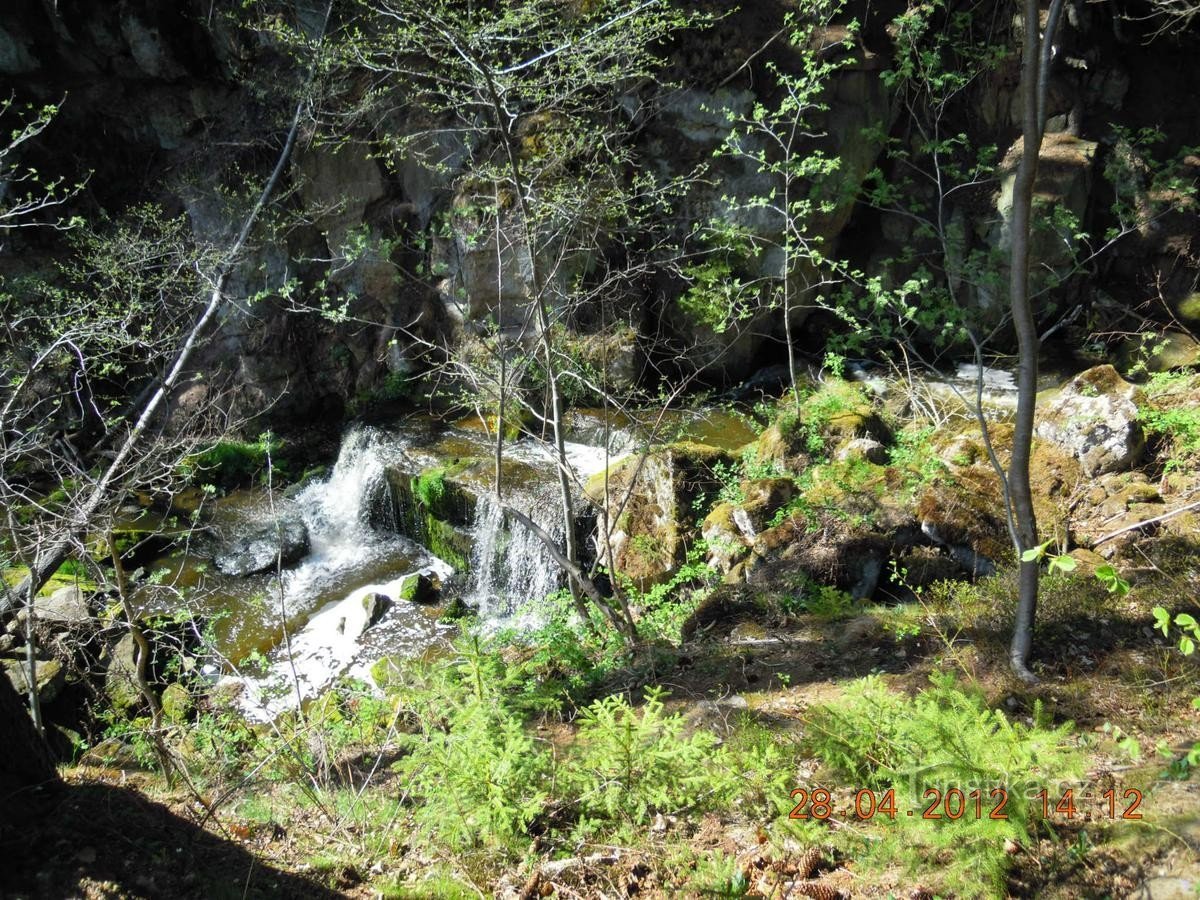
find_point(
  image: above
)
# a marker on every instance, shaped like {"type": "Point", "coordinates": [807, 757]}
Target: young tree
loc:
{"type": "Point", "coordinates": [1035, 59]}
{"type": "Point", "coordinates": [779, 140]}
{"type": "Point", "coordinates": [537, 94]}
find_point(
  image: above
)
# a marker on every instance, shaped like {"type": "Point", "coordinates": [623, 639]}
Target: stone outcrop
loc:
{"type": "Point", "coordinates": [1095, 418]}
{"type": "Point", "coordinates": [648, 499]}
{"type": "Point", "coordinates": [259, 548]}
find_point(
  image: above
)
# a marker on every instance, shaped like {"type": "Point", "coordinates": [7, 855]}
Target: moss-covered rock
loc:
{"type": "Point", "coordinates": [832, 416]}
{"type": "Point", "coordinates": [435, 508]}
{"type": "Point", "coordinates": [120, 679]}
{"type": "Point", "coordinates": [730, 529]}
{"type": "Point", "coordinates": [651, 500]}
{"type": "Point", "coordinates": [51, 677]}
{"type": "Point", "coordinates": [418, 587]}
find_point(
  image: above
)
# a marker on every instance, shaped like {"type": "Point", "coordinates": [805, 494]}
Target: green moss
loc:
{"type": "Point", "coordinates": [1188, 310]}
{"type": "Point", "coordinates": [176, 703]}
{"type": "Point", "coordinates": [232, 463]}
{"type": "Point", "coordinates": [429, 488]}
{"type": "Point", "coordinates": [447, 543]}
{"type": "Point", "coordinates": [13, 575]}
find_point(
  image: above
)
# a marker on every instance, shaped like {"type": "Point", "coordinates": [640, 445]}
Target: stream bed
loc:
{"type": "Point", "coordinates": [350, 550]}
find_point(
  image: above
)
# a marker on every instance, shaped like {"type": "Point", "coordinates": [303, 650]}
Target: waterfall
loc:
{"type": "Point", "coordinates": [341, 511]}
{"type": "Point", "coordinates": [510, 565]}
{"type": "Point", "coordinates": [335, 593]}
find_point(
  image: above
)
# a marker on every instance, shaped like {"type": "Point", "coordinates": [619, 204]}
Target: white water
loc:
{"type": "Point", "coordinates": [336, 513]}
{"type": "Point", "coordinates": [510, 565]}
{"type": "Point", "coordinates": [328, 645]}
{"type": "Point", "coordinates": [511, 568]}
{"type": "Point", "coordinates": [344, 549]}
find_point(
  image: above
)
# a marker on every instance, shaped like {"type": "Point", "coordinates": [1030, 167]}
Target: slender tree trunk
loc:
{"type": "Point", "coordinates": [1027, 345]}
{"type": "Point", "coordinates": [787, 286]}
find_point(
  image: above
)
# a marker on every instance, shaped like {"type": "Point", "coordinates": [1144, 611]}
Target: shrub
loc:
{"type": "Point", "coordinates": [479, 777]}
{"type": "Point", "coordinates": [944, 738]}
{"type": "Point", "coordinates": [631, 763]}
{"type": "Point", "coordinates": [232, 463]}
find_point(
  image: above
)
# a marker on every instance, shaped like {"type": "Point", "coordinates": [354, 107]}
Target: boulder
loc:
{"type": "Point", "coordinates": [418, 588]}
{"type": "Point", "coordinates": [51, 676]}
{"type": "Point", "coordinates": [374, 606]}
{"type": "Point", "coordinates": [65, 607]}
{"type": "Point", "coordinates": [1064, 178]}
{"type": "Point", "coordinates": [1095, 419]}
{"type": "Point", "coordinates": [650, 504]}
{"type": "Point", "coordinates": [120, 680]}
{"type": "Point", "coordinates": [255, 550]}
{"type": "Point", "coordinates": [863, 448]}
{"type": "Point", "coordinates": [731, 528]}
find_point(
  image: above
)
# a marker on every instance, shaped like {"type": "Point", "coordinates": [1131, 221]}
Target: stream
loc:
{"type": "Point", "coordinates": [285, 634]}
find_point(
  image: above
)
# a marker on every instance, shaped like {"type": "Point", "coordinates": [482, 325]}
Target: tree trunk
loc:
{"type": "Point", "coordinates": [1027, 345]}
{"type": "Point", "coordinates": [28, 780]}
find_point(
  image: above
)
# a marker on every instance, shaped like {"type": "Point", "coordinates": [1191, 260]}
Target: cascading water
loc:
{"type": "Point", "coordinates": [356, 554]}
{"type": "Point", "coordinates": [350, 559]}
{"type": "Point", "coordinates": [339, 513]}
{"type": "Point", "coordinates": [510, 565]}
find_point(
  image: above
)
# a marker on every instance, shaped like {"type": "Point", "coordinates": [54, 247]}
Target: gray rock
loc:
{"type": "Point", "coordinates": [1094, 418]}
{"type": "Point", "coordinates": [51, 676]}
{"type": "Point", "coordinates": [120, 681]}
{"type": "Point", "coordinates": [864, 448]}
{"type": "Point", "coordinates": [255, 551]}
{"type": "Point", "coordinates": [66, 606]}
{"type": "Point", "coordinates": [375, 605]}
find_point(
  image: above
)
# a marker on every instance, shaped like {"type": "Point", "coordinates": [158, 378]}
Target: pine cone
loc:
{"type": "Point", "coordinates": [817, 891]}
{"type": "Point", "coordinates": [810, 860]}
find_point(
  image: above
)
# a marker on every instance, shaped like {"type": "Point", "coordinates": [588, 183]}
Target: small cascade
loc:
{"type": "Point", "coordinates": [510, 565]}
{"type": "Point", "coordinates": [347, 584]}
{"type": "Point", "coordinates": [350, 516]}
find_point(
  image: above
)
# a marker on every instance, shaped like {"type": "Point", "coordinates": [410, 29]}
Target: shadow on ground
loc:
{"type": "Point", "coordinates": [101, 840]}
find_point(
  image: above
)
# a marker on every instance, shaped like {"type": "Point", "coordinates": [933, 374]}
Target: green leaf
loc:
{"type": "Point", "coordinates": [1064, 563]}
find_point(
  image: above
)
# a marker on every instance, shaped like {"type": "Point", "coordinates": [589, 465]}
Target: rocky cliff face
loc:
{"type": "Point", "coordinates": [181, 104]}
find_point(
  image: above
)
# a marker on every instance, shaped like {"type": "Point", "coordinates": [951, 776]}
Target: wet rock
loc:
{"type": "Point", "coordinates": [375, 605]}
{"type": "Point", "coordinates": [419, 588]}
{"type": "Point", "coordinates": [256, 550]}
{"type": "Point", "coordinates": [51, 677]}
{"type": "Point", "coordinates": [1095, 418]}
